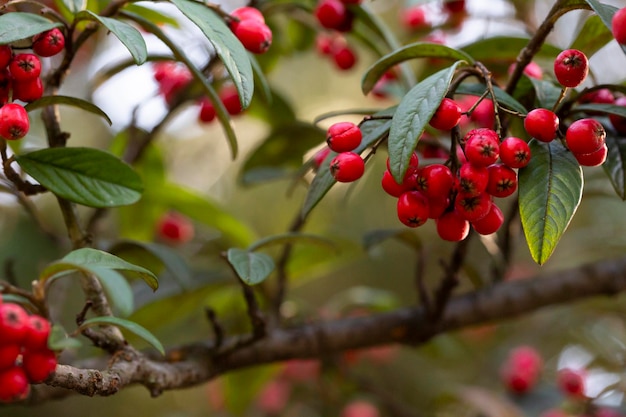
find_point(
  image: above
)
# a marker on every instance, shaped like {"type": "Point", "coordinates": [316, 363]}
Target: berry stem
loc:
{"type": "Point", "coordinates": [564, 91]}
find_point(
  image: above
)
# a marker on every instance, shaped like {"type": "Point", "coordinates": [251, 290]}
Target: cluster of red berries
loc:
{"type": "Point", "coordinates": [248, 25]}
{"type": "Point", "coordinates": [336, 16]}
{"type": "Point", "coordinates": [344, 138]}
{"type": "Point", "coordinates": [20, 80]}
{"type": "Point", "coordinates": [24, 354]}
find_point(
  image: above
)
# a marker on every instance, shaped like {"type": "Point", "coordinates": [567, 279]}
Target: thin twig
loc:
{"type": "Point", "coordinates": [281, 266]}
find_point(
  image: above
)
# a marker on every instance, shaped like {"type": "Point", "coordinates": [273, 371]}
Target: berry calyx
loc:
{"type": "Point", "coordinates": [347, 167]}
{"type": "Point", "coordinates": [451, 226]}
{"type": "Point", "coordinates": [541, 124]}
{"type": "Point", "coordinates": [435, 180]}
{"type": "Point", "coordinates": [502, 181]}
{"type": "Point", "coordinates": [473, 179]}
{"type": "Point", "coordinates": [472, 207]}
{"type": "Point", "coordinates": [413, 209]}
{"type": "Point", "coordinates": [514, 152]}
{"type": "Point", "coordinates": [447, 116]}
{"type": "Point", "coordinates": [482, 146]}
{"type": "Point", "coordinates": [49, 43]}
{"type": "Point", "coordinates": [571, 68]}
{"type": "Point", "coordinates": [14, 122]}
{"type": "Point", "coordinates": [343, 136]}
{"type": "Point", "coordinates": [585, 136]}
{"type": "Point", "coordinates": [25, 67]}
{"type": "Point", "coordinates": [618, 26]}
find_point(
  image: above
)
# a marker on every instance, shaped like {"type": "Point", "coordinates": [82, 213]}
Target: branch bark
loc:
{"type": "Point", "coordinates": [194, 364]}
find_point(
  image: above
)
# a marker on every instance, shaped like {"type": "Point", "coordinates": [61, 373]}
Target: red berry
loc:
{"type": "Point", "coordinates": [502, 180]}
{"type": "Point", "coordinates": [447, 116]}
{"type": "Point", "coordinates": [245, 13]}
{"type": "Point", "coordinates": [572, 382]}
{"type": "Point", "coordinates": [172, 79]}
{"type": "Point", "coordinates": [332, 14]}
{"type": "Point", "coordinates": [320, 156]}
{"type": "Point", "coordinates": [13, 385]}
{"type": "Point", "coordinates": [175, 228]}
{"type": "Point", "coordinates": [412, 208]}
{"type": "Point", "coordinates": [6, 83]}
{"type": "Point", "coordinates": [618, 26]}
{"type": "Point", "coordinates": [347, 167]}
{"type": "Point", "coordinates": [585, 136]}
{"type": "Point", "coordinates": [601, 96]}
{"type": "Point", "coordinates": [454, 6]}
{"type": "Point", "coordinates": [230, 98]}
{"type": "Point", "coordinates": [254, 35]}
{"type": "Point", "coordinates": [273, 397]}
{"type": "Point", "coordinates": [514, 152]}
{"type": "Point", "coordinates": [28, 91]}
{"type": "Point", "coordinates": [482, 146]}
{"type": "Point", "coordinates": [414, 18]}
{"type": "Point", "coordinates": [49, 43]}
{"type": "Point", "coordinates": [207, 111]}
{"type": "Point", "coordinates": [14, 122]}
{"type": "Point", "coordinates": [435, 180]}
{"type": "Point", "coordinates": [593, 159]}
{"type": "Point", "coordinates": [521, 370]}
{"type": "Point", "coordinates": [8, 355]}
{"type": "Point", "coordinates": [13, 324]}
{"type": "Point", "coordinates": [413, 161]}
{"type": "Point", "coordinates": [451, 226]}
{"type": "Point", "coordinates": [360, 408]}
{"type": "Point", "coordinates": [532, 70]}
{"type": "Point", "coordinates": [472, 207]}
{"type": "Point", "coordinates": [541, 124]}
{"type": "Point", "coordinates": [491, 222]}
{"type": "Point", "coordinates": [619, 122]}
{"type": "Point", "coordinates": [25, 67]}
{"type": "Point", "coordinates": [473, 179]}
{"type": "Point", "coordinates": [344, 57]}
{"type": "Point", "coordinates": [324, 43]}
{"type": "Point", "coordinates": [437, 206]}
{"type": "Point", "coordinates": [484, 114]}
{"type": "Point", "coordinates": [390, 185]}
{"type": "Point", "coordinates": [343, 137]}
{"type": "Point", "coordinates": [163, 69]}
{"type": "Point", "coordinates": [38, 364]}
{"type": "Point", "coordinates": [571, 68]}
{"type": "Point", "coordinates": [37, 334]}
{"type": "Point", "coordinates": [6, 53]}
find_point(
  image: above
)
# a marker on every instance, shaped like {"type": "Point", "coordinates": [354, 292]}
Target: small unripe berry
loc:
{"type": "Point", "coordinates": [541, 124]}
{"type": "Point", "coordinates": [585, 136]}
{"type": "Point", "coordinates": [618, 26]}
{"type": "Point", "coordinates": [571, 68]}
{"type": "Point", "coordinates": [49, 43]}
{"type": "Point", "coordinates": [343, 137]}
{"type": "Point", "coordinates": [447, 116]}
{"type": "Point", "coordinates": [14, 122]}
{"type": "Point", "coordinates": [347, 167]}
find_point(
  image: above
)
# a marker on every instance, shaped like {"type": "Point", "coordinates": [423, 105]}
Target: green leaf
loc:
{"type": "Point", "coordinates": [59, 340]}
{"type": "Point", "coordinates": [69, 101]}
{"type": "Point", "coordinates": [606, 12]}
{"type": "Point", "coordinates": [550, 190]}
{"type": "Point", "coordinates": [15, 26]}
{"type": "Point", "coordinates": [592, 36]}
{"type": "Point", "coordinates": [128, 35]}
{"type": "Point", "coordinates": [280, 153]}
{"type": "Point", "coordinates": [117, 289]}
{"type": "Point", "coordinates": [292, 237]}
{"type": "Point", "coordinates": [615, 162]}
{"type": "Point", "coordinates": [152, 15]}
{"type": "Point", "coordinates": [83, 175]}
{"type": "Point", "coordinates": [227, 46]}
{"type": "Point", "coordinates": [504, 99]}
{"type": "Point", "coordinates": [253, 268]}
{"type": "Point", "coordinates": [547, 93]}
{"type": "Point", "coordinates": [96, 258]}
{"type": "Point", "coordinates": [411, 51]}
{"type": "Point", "coordinates": [413, 114]}
{"type": "Point", "coordinates": [260, 79]}
{"type": "Point", "coordinates": [601, 108]}
{"type": "Point", "coordinates": [376, 237]}
{"type": "Point", "coordinates": [504, 48]}
{"type": "Point", "coordinates": [125, 324]}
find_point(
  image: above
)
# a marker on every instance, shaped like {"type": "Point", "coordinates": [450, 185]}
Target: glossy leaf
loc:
{"type": "Point", "coordinates": [550, 190]}
{"type": "Point", "coordinates": [59, 339]}
{"type": "Point", "coordinates": [413, 114]}
{"type": "Point", "coordinates": [125, 324]}
{"type": "Point", "coordinates": [128, 35]}
{"type": "Point", "coordinates": [504, 99]}
{"type": "Point", "coordinates": [606, 12]}
{"type": "Point", "coordinates": [615, 163]}
{"type": "Point", "coordinates": [504, 48]}
{"type": "Point", "coordinates": [292, 237]}
{"type": "Point", "coordinates": [117, 289]}
{"type": "Point", "coordinates": [281, 152]}
{"type": "Point", "coordinates": [593, 36]}
{"type": "Point", "coordinates": [253, 268]}
{"type": "Point", "coordinates": [68, 101]}
{"type": "Point", "coordinates": [84, 175]}
{"type": "Point", "coordinates": [411, 51]}
{"type": "Point", "coordinates": [547, 93]}
{"type": "Point", "coordinates": [602, 108]}
{"type": "Point", "coordinates": [15, 26]}
{"type": "Point", "coordinates": [227, 46]}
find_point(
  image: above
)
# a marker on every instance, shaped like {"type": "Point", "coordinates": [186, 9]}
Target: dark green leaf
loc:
{"type": "Point", "coordinates": [84, 175]}
{"type": "Point", "coordinates": [128, 35]}
{"type": "Point", "coordinates": [69, 101]}
{"type": "Point", "coordinates": [227, 46]}
{"type": "Point", "coordinates": [261, 80]}
{"type": "Point", "coordinates": [411, 51]}
{"type": "Point", "coordinates": [547, 93]}
{"type": "Point", "coordinates": [117, 288]}
{"type": "Point", "coordinates": [602, 108]}
{"type": "Point", "coordinates": [376, 237]}
{"type": "Point", "coordinates": [592, 37]}
{"type": "Point", "coordinates": [253, 268]}
{"type": "Point", "coordinates": [615, 162]}
{"type": "Point", "coordinates": [606, 12]}
{"type": "Point", "coordinates": [15, 26]}
{"type": "Point", "coordinates": [292, 237]}
{"type": "Point", "coordinates": [550, 190]}
{"type": "Point", "coordinates": [504, 99]}
{"type": "Point", "coordinates": [96, 258]}
{"type": "Point", "coordinates": [125, 324]}
{"type": "Point", "coordinates": [413, 114]}
{"type": "Point", "coordinates": [280, 154]}
{"type": "Point", "coordinates": [504, 48]}
{"type": "Point", "coordinates": [59, 340]}
{"type": "Point", "coordinates": [152, 15]}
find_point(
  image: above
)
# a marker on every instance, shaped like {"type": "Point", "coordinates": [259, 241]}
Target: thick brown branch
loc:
{"type": "Point", "coordinates": [192, 364]}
